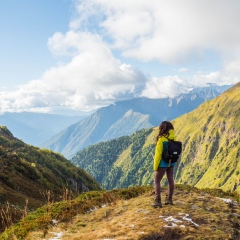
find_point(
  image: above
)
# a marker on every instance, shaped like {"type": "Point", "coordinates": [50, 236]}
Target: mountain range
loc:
{"type": "Point", "coordinates": [126, 117]}
{"type": "Point", "coordinates": [211, 150]}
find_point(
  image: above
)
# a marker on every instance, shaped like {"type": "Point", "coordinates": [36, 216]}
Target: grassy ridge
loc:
{"type": "Point", "coordinates": [64, 211]}
{"type": "Point", "coordinates": [75, 212]}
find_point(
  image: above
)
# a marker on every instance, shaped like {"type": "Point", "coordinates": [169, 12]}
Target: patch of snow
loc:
{"type": "Point", "coordinates": [190, 220]}
{"type": "Point", "coordinates": [54, 221]}
{"type": "Point", "coordinates": [57, 235]}
{"type": "Point", "coordinates": [173, 225]}
{"type": "Point", "coordinates": [172, 219]}
{"type": "Point", "coordinates": [226, 200]}
{"type": "Point", "coordinates": [182, 214]}
{"type": "Point", "coordinates": [92, 209]}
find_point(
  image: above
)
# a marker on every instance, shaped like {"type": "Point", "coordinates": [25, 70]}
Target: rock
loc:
{"type": "Point", "coordinates": [195, 207]}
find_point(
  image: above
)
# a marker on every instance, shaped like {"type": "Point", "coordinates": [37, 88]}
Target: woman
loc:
{"type": "Point", "coordinates": [166, 133]}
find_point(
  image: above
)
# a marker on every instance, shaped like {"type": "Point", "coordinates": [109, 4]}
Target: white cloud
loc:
{"type": "Point", "coordinates": [169, 86]}
{"type": "Point", "coordinates": [172, 86]}
{"type": "Point", "coordinates": [165, 30]}
{"type": "Point", "coordinates": [233, 67]}
{"type": "Point", "coordinates": [93, 78]}
{"type": "Point", "coordinates": [182, 70]}
{"type": "Point", "coordinates": [170, 31]}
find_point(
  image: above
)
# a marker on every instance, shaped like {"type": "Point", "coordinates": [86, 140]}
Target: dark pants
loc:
{"type": "Point", "coordinates": [157, 181]}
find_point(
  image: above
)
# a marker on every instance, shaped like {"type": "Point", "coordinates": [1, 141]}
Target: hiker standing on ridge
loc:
{"type": "Point", "coordinates": [166, 133]}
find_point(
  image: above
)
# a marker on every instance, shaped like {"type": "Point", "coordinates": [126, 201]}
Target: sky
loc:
{"type": "Point", "coordinates": [68, 56]}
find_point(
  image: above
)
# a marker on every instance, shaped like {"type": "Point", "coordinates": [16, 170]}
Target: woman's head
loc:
{"type": "Point", "coordinates": [164, 128]}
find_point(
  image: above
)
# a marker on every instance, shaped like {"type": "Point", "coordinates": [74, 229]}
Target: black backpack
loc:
{"type": "Point", "coordinates": [172, 151]}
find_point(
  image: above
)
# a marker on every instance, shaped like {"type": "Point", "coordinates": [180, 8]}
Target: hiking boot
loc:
{"type": "Point", "coordinates": [157, 203]}
{"type": "Point", "coordinates": [168, 202]}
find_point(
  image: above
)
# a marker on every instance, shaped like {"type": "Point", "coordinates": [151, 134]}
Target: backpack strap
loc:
{"type": "Point", "coordinates": [167, 138]}
{"type": "Point", "coordinates": [169, 165]}
{"type": "Point", "coordinates": [170, 162]}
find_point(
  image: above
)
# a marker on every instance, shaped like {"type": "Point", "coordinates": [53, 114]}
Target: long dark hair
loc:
{"type": "Point", "coordinates": [164, 128]}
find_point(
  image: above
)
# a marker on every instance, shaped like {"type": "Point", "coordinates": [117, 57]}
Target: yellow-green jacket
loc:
{"type": "Point", "coordinates": [158, 161]}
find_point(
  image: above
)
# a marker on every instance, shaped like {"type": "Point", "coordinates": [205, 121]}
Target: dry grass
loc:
{"type": "Point", "coordinates": [136, 219]}
{"type": "Point", "coordinates": [6, 216]}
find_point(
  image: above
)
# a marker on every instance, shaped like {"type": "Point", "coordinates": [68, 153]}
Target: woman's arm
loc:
{"type": "Point", "coordinates": [158, 154]}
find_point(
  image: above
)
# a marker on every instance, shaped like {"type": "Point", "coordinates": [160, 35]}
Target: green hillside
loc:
{"type": "Point", "coordinates": [211, 150]}
{"type": "Point", "coordinates": [120, 162]}
{"type": "Point", "coordinates": [31, 177]}
{"type": "Point", "coordinates": [211, 138]}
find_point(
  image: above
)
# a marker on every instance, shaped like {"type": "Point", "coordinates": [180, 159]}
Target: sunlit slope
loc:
{"type": "Point", "coordinates": [211, 150]}
{"type": "Point", "coordinates": [210, 134]}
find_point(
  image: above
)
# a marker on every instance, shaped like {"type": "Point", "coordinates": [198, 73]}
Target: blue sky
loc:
{"type": "Point", "coordinates": [25, 27]}
{"type": "Point", "coordinates": [79, 55]}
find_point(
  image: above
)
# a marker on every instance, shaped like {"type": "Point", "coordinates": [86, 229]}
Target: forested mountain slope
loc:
{"type": "Point", "coordinates": [38, 176]}
{"type": "Point", "coordinates": [120, 162]}
{"type": "Point", "coordinates": [126, 117]}
{"type": "Point", "coordinates": [211, 149]}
